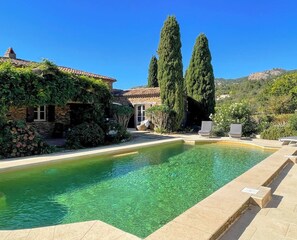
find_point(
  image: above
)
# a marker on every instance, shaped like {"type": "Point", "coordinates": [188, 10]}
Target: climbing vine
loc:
{"type": "Point", "coordinates": [44, 84]}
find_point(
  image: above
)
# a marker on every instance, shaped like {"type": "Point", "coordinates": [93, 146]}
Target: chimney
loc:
{"type": "Point", "coordinates": [10, 53]}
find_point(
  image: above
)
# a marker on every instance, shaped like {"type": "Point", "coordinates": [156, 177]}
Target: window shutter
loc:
{"type": "Point", "coordinates": [51, 113]}
{"type": "Point", "coordinates": [30, 114]}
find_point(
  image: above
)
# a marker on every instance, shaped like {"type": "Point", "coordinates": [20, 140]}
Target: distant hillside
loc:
{"type": "Point", "coordinates": [268, 74]}
{"type": "Point", "coordinates": [251, 88]}
{"type": "Point", "coordinates": [264, 75]}
{"type": "Point", "coordinates": [222, 81]}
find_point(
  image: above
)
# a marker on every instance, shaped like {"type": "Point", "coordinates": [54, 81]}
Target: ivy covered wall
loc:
{"type": "Point", "coordinates": [44, 84]}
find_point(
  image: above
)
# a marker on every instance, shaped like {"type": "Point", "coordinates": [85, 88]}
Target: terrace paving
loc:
{"type": "Point", "coordinates": [278, 220]}
{"type": "Point", "coordinates": [208, 219]}
{"type": "Point", "coordinates": [91, 230]}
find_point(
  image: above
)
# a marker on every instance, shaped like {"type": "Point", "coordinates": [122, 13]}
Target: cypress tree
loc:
{"type": "Point", "coordinates": [152, 80]}
{"type": "Point", "coordinates": [170, 68]}
{"type": "Point", "coordinates": [200, 77]}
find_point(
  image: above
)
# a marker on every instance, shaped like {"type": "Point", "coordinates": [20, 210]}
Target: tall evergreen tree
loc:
{"type": "Point", "coordinates": [200, 77]}
{"type": "Point", "coordinates": [152, 80]}
{"type": "Point", "coordinates": [170, 68]}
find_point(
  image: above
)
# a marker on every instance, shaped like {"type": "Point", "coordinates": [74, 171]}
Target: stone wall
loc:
{"type": "Point", "coordinates": [15, 113]}
{"type": "Point", "coordinates": [44, 128]}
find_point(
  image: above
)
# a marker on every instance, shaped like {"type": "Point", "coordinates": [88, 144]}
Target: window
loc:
{"type": "Point", "coordinates": [140, 113]}
{"type": "Point", "coordinates": [40, 113]}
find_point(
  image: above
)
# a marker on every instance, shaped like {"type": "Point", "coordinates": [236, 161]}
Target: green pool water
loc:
{"type": "Point", "coordinates": [137, 193]}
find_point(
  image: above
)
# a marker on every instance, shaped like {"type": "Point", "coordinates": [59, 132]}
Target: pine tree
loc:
{"type": "Point", "coordinates": [200, 77]}
{"type": "Point", "coordinates": [170, 68]}
{"type": "Point", "coordinates": [152, 80]}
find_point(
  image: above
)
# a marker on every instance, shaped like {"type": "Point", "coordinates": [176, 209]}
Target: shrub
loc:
{"type": "Point", "coordinates": [17, 139]}
{"type": "Point", "coordinates": [282, 104]}
{"type": "Point", "coordinates": [162, 117]}
{"type": "Point", "coordinates": [222, 119]}
{"type": "Point", "coordinates": [235, 113]}
{"type": "Point", "coordinates": [85, 135]}
{"type": "Point", "coordinates": [116, 133]}
{"type": "Point", "coordinates": [218, 132]}
{"type": "Point", "coordinates": [264, 122]}
{"type": "Point", "coordinates": [280, 94]}
{"type": "Point", "coordinates": [281, 119]}
{"type": "Point", "coordinates": [277, 131]}
{"type": "Point", "coordinates": [293, 121]}
{"type": "Point", "coordinates": [122, 114]}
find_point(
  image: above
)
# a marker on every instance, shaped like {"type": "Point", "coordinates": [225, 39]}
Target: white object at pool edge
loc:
{"type": "Point", "coordinates": [250, 190]}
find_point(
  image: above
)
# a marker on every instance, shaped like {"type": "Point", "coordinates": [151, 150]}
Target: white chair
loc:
{"type": "Point", "coordinates": [288, 140]}
{"type": "Point", "coordinates": [206, 128]}
{"type": "Point", "coordinates": [235, 131]}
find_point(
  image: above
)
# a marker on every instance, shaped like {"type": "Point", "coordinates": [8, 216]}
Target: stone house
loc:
{"type": "Point", "coordinates": [49, 119]}
{"type": "Point", "coordinates": [140, 99]}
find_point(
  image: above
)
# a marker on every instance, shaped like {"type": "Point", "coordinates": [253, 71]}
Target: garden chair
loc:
{"type": "Point", "coordinates": [288, 140]}
{"type": "Point", "coordinates": [235, 131]}
{"type": "Point", "coordinates": [206, 128]}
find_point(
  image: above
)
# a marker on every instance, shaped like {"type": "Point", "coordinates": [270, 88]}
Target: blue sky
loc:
{"type": "Point", "coordinates": [118, 38]}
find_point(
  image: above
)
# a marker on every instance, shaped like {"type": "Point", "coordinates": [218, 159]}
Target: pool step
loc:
{"type": "Point", "coordinates": [262, 197]}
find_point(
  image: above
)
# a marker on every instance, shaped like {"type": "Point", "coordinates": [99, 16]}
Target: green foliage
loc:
{"type": "Point", "coordinates": [45, 84]}
{"type": "Point", "coordinates": [85, 135]}
{"type": "Point", "coordinates": [281, 95]}
{"type": "Point", "coordinates": [218, 132]}
{"type": "Point", "coordinates": [273, 96]}
{"type": "Point", "coordinates": [293, 122]}
{"type": "Point", "coordinates": [222, 118]}
{"type": "Point", "coordinates": [278, 104]}
{"type": "Point", "coordinates": [170, 68]}
{"type": "Point", "coordinates": [122, 114]}
{"type": "Point", "coordinates": [275, 132]}
{"type": "Point", "coordinates": [284, 85]}
{"type": "Point", "coordinates": [152, 80]}
{"type": "Point", "coordinates": [18, 140]}
{"type": "Point", "coordinates": [264, 122]}
{"type": "Point", "coordinates": [235, 113]}
{"type": "Point", "coordinates": [117, 133]}
{"type": "Point", "coordinates": [200, 78]}
{"type": "Point", "coordinates": [242, 90]}
{"type": "Point", "coordinates": [162, 117]}
{"type": "Point", "coordinates": [284, 126]}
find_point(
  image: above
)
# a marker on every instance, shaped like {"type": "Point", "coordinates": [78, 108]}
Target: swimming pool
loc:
{"type": "Point", "coordinates": [137, 193]}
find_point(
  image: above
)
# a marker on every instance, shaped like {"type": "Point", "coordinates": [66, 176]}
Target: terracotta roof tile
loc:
{"type": "Point", "coordinates": [21, 62]}
{"type": "Point", "coordinates": [138, 92]}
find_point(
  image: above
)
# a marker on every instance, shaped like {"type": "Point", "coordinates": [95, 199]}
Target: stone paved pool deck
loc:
{"type": "Point", "coordinates": [278, 220]}
{"type": "Point", "coordinates": [208, 219]}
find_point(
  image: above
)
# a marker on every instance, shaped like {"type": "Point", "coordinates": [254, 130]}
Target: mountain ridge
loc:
{"type": "Point", "coordinates": [262, 75]}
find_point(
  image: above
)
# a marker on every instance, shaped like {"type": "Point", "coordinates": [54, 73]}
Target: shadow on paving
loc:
{"type": "Point", "coordinates": [238, 228]}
